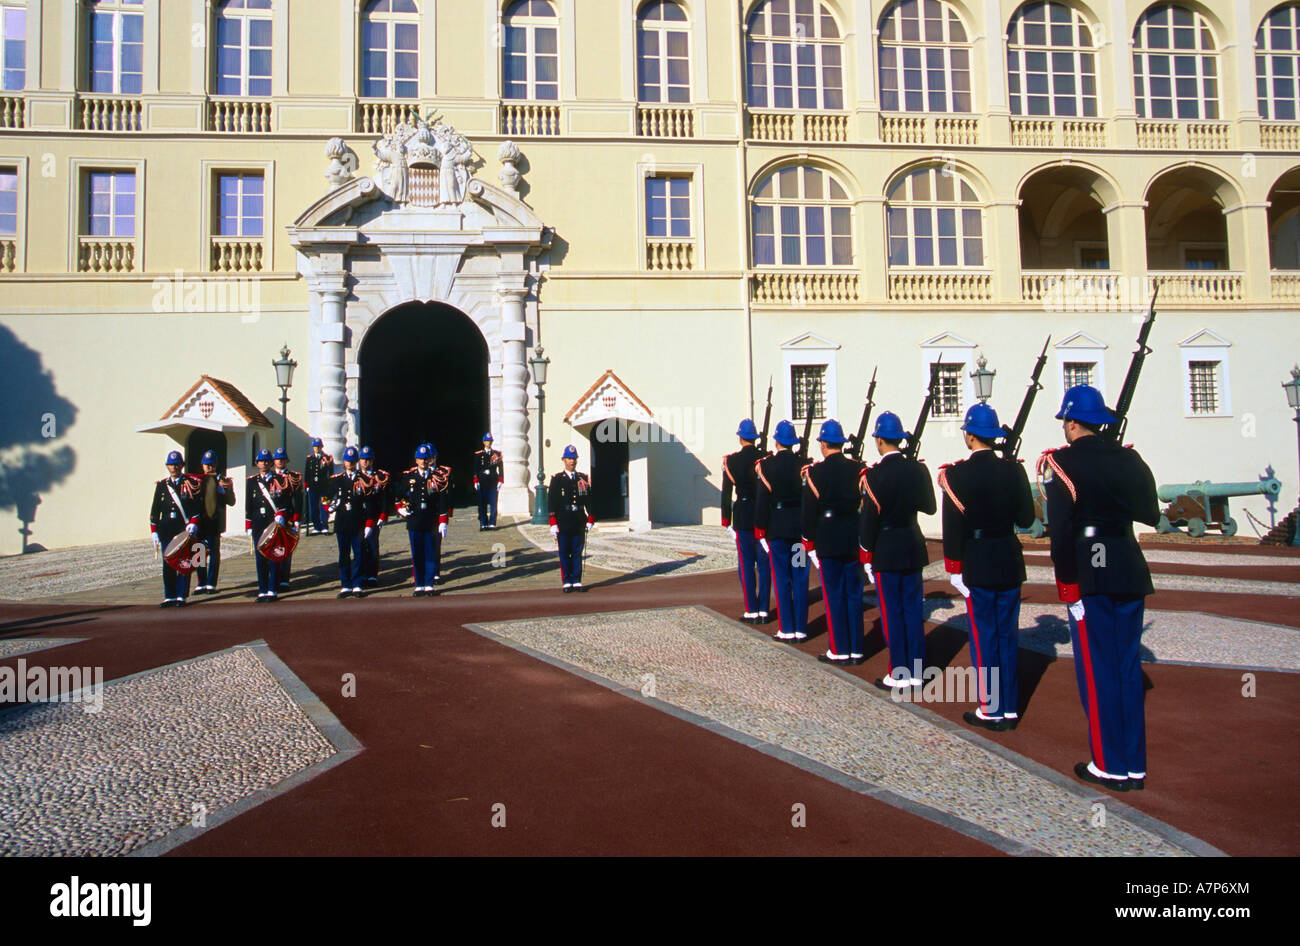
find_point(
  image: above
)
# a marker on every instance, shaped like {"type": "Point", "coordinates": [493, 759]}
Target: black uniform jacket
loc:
{"type": "Point", "coordinates": [379, 497]}
{"type": "Point", "coordinates": [738, 478]}
{"type": "Point", "coordinates": [780, 497]}
{"type": "Point", "coordinates": [487, 467]}
{"type": "Point", "coordinates": [1095, 491]}
{"type": "Point", "coordinates": [317, 472]}
{"type": "Point", "coordinates": [217, 524]}
{"type": "Point", "coordinates": [895, 490]}
{"type": "Point", "coordinates": [297, 491]}
{"type": "Point", "coordinates": [349, 498]}
{"type": "Point", "coordinates": [425, 496]}
{"type": "Point", "coordinates": [165, 516]}
{"type": "Point", "coordinates": [984, 498]}
{"type": "Point", "coordinates": [258, 511]}
{"type": "Point", "coordinates": [569, 500]}
{"type": "Point", "coordinates": [829, 510]}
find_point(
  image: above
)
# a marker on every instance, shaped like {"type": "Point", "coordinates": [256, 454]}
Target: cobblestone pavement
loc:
{"type": "Point", "coordinates": [671, 550]}
{"type": "Point", "coordinates": [88, 567]}
{"type": "Point", "coordinates": [20, 646]}
{"type": "Point", "coordinates": [1178, 557]}
{"type": "Point", "coordinates": [1164, 582]}
{"type": "Point", "coordinates": [696, 661]}
{"type": "Point", "coordinates": [210, 732]}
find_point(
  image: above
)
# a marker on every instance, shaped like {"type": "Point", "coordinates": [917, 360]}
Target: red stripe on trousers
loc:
{"type": "Point", "coordinates": [830, 624]}
{"type": "Point", "coordinates": [777, 588]}
{"type": "Point", "coordinates": [1094, 716]}
{"type": "Point", "coordinates": [740, 567]}
{"type": "Point", "coordinates": [979, 658]}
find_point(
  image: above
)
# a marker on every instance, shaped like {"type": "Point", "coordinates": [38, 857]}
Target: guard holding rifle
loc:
{"type": "Point", "coordinates": [216, 493]}
{"type": "Point", "coordinates": [294, 489]}
{"type": "Point", "coordinates": [422, 500]}
{"type": "Point", "coordinates": [984, 498]}
{"type": "Point", "coordinates": [266, 501]}
{"type": "Point", "coordinates": [738, 476]}
{"type": "Point", "coordinates": [828, 520]}
{"type": "Point", "coordinates": [316, 474]}
{"type": "Point", "coordinates": [348, 493]}
{"type": "Point", "coordinates": [892, 548]}
{"type": "Point", "coordinates": [488, 474]}
{"type": "Point", "coordinates": [174, 513]}
{"type": "Point", "coordinates": [777, 527]}
{"type": "Point", "coordinates": [569, 500]}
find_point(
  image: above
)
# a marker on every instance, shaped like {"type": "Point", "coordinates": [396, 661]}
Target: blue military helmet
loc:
{"type": "Point", "coordinates": [831, 432]}
{"type": "Point", "coordinates": [982, 421]}
{"type": "Point", "coordinates": [210, 458]}
{"type": "Point", "coordinates": [747, 430]}
{"type": "Point", "coordinates": [317, 442]}
{"type": "Point", "coordinates": [422, 452]}
{"type": "Point", "coordinates": [280, 454]}
{"type": "Point", "coordinates": [785, 434]}
{"type": "Point", "coordinates": [570, 452]}
{"type": "Point", "coordinates": [1085, 403]}
{"type": "Point", "coordinates": [349, 455]}
{"type": "Point", "coordinates": [367, 453]}
{"type": "Point", "coordinates": [174, 458]}
{"type": "Point", "coordinates": [487, 438]}
{"type": "Point", "coordinates": [263, 456]}
{"type": "Point", "coordinates": [889, 427]}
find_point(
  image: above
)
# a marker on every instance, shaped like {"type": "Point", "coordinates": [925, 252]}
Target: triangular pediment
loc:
{"type": "Point", "coordinates": [1205, 339]}
{"type": "Point", "coordinates": [608, 398]}
{"type": "Point", "coordinates": [810, 340]}
{"type": "Point", "coordinates": [212, 404]}
{"type": "Point", "coordinates": [1081, 340]}
{"type": "Point", "coordinates": [948, 340]}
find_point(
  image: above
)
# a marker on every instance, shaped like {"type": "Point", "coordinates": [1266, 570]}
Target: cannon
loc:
{"type": "Point", "coordinates": [1203, 505]}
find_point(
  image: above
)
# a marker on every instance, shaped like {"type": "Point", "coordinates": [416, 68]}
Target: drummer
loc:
{"type": "Point", "coordinates": [294, 490]}
{"type": "Point", "coordinates": [175, 510]}
{"type": "Point", "coordinates": [216, 493]}
{"type": "Point", "coordinates": [263, 505]}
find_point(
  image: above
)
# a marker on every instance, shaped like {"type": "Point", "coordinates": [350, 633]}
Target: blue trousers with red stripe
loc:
{"type": "Point", "coordinates": [899, 594]}
{"type": "Point", "coordinates": [994, 648]}
{"type": "Point", "coordinates": [424, 548]}
{"type": "Point", "coordinates": [570, 546]}
{"type": "Point", "coordinates": [1107, 662]}
{"type": "Point", "coordinates": [791, 583]}
{"type": "Point", "coordinates": [842, 592]}
{"type": "Point", "coordinates": [755, 572]}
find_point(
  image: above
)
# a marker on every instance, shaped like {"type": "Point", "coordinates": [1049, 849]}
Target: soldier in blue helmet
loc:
{"type": "Point", "coordinates": [316, 475]}
{"type": "Point", "coordinates": [265, 501]}
{"type": "Point", "coordinates": [984, 498]}
{"type": "Point", "coordinates": [488, 473]}
{"type": "Point", "coordinates": [829, 519]}
{"type": "Point", "coordinates": [175, 509]}
{"type": "Point", "coordinates": [738, 477]}
{"type": "Point", "coordinates": [378, 499]}
{"type": "Point", "coordinates": [211, 527]}
{"type": "Point", "coordinates": [348, 494]}
{"type": "Point", "coordinates": [893, 549]}
{"type": "Point", "coordinates": [1095, 491]}
{"type": "Point", "coordinates": [292, 484]}
{"type": "Point", "coordinates": [569, 500]}
{"type": "Point", "coordinates": [778, 529]}
{"type": "Point", "coordinates": [423, 499]}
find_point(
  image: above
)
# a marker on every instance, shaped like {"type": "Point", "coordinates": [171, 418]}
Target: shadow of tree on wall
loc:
{"type": "Point", "coordinates": [33, 418]}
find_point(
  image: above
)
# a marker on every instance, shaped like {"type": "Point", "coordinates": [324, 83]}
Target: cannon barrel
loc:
{"type": "Point", "coordinates": [1171, 491]}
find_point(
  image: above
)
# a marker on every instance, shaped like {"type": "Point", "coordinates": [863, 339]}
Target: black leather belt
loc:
{"type": "Point", "coordinates": [793, 504]}
{"type": "Point", "coordinates": [991, 534]}
{"type": "Point", "coordinates": [909, 525]}
{"type": "Point", "coordinates": [1103, 532]}
{"type": "Point", "coordinates": [743, 499]}
{"type": "Point", "coordinates": [832, 514]}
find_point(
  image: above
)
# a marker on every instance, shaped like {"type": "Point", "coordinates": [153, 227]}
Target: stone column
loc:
{"type": "Point", "coordinates": [333, 377]}
{"type": "Point", "coordinates": [1248, 248]}
{"type": "Point", "coordinates": [513, 443]}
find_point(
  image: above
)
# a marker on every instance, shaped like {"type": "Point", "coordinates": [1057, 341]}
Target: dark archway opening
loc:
{"type": "Point", "coordinates": [199, 442]}
{"type": "Point", "coordinates": [424, 377]}
{"type": "Point", "coordinates": [609, 462]}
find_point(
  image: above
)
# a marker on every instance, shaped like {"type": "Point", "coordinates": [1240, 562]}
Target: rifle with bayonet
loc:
{"type": "Point", "coordinates": [914, 442]}
{"type": "Point", "coordinates": [805, 442]}
{"type": "Point", "coordinates": [855, 445]}
{"type": "Point", "coordinates": [1011, 445]}
{"type": "Point", "coordinates": [767, 419]}
{"type": "Point", "coordinates": [1115, 432]}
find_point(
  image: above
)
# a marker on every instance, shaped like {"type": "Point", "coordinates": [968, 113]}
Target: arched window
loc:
{"type": "Point", "coordinates": [244, 47]}
{"type": "Point", "coordinates": [116, 46]}
{"type": "Point", "coordinates": [794, 56]}
{"type": "Point", "coordinates": [924, 59]}
{"type": "Point", "coordinates": [801, 216]}
{"type": "Point", "coordinates": [1051, 62]}
{"type": "Point", "coordinates": [663, 53]}
{"type": "Point", "coordinates": [1277, 64]}
{"type": "Point", "coordinates": [531, 69]}
{"type": "Point", "coordinates": [1175, 65]}
{"type": "Point", "coordinates": [390, 49]}
{"type": "Point", "coordinates": [13, 46]}
{"type": "Point", "coordinates": [934, 219]}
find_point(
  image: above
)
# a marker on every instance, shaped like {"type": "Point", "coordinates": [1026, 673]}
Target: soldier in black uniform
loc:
{"type": "Point", "coordinates": [984, 498]}
{"type": "Point", "coordinates": [348, 494]}
{"type": "Point", "coordinates": [752, 562]}
{"type": "Point", "coordinates": [829, 518]}
{"type": "Point", "coordinates": [569, 500]}
{"type": "Point", "coordinates": [316, 475]}
{"type": "Point", "coordinates": [778, 529]}
{"type": "Point", "coordinates": [175, 509]}
{"type": "Point", "coordinates": [422, 500]}
{"type": "Point", "coordinates": [377, 499]}
{"type": "Point", "coordinates": [893, 549]}
{"type": "Point", "coordinates": [212, 528]}
{"type": "Point", "coordinates": [1095, 491]}
{"type": "Point", "coordinates": [294, 483]}
{"type": "Point", "coordinates": [266, 500]}
{"type": "Point", "coordinates": [488, 473]}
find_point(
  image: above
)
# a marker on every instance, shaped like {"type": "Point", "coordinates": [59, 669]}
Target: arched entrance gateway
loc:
{"type": "Point", "coordinates": [423, 304]}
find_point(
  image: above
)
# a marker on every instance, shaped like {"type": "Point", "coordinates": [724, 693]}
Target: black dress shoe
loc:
{"type": "Point", "coordinates": [994, 725]}
{"type": "Point", "coordinates": [1011, 721]}
{"type": "Point", "coordinates": [857, 661]}
{"type": "Point", "coordinates": [880, 684]}
{"type": "Point", "coordinates": [1084, 774]}
{"type": "Point", "coordinates": [418, 593]}
{"type": "Point", "coordinates": [164, 604]}
{"type": "Point", "coordinates": [567, 589]}
{"type": "Point", "coordinates": [345, 593]}
{"type": "Point", "coordinates": [833, 661]}
{"type": "Point", "coordinates": [1137, 784]}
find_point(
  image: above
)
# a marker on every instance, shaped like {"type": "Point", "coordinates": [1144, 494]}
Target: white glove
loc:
{"type": "Point", "coordinates": [812, 557]}
{"type": "Point", "coordinates": [369, 530]}
{"type": "Point", "coordinates": [157, 542]}
{"type": "Point", "coordinates": [555, 530]}
{"type": "Point", "coordinates": [279, 520]}
{"type": "Point", "coordinates": [1076, 610]}
{"type": "Point", "coordinates": [403, 512]}
{"type": "Point", "coordinates": [766, 547]}
{"type": "Point", "coordinates": [956, 582]}
{"type": "Point", "coordinates": [248, 532]}
{"type": "Point", "coordinates": [731, 532]}
{"type": "Point", "coordinates": [866, 570]}
{"type": "Point", "coordinates": [589, 525]}
{"type": "Point", "coordinates": [192, 529]}
{"type": "Point", "coordinates": [442, 530]}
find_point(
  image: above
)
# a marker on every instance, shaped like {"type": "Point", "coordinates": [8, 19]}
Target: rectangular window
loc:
{"type": "Point", "coordinates": [116, 52]}
{"type": "Point", "coordinates": [243, 56]}
{"type": "Point", "coordinates": [947, 401]}
{"type": "Point", "coordinates": [1078, 372]}
{"type": "Point", "coordinates": [110, 208]}
{"type": "Point", "coordinates": [808, 385]}
{"type": "Point", "coordinates": [240, 203]}
{"type": "Point", "coordinates": [1205, 257]}
{"type": "Point", "coordinates": [8, 202]}
{"type": "Point", "coordinates": [13, 28]}
{"type": "Point", "coordinates": [1203, 377]}
{"type": "Point", "coordinates": [668, 207]}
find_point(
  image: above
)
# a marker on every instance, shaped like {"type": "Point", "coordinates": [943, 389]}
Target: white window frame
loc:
{"type": "Point", "coordinates": [391, 21]}
{"type": "Point", "coordinates": [1144, 54]}
{"type": "Point", "coordinates": [949, 349]}
{"type": "Point", "coordinates": [947, 46]}
{"type": "Point", "coordinates": [18, 163]}
{"type": "Point", "coordinates": [1019, 101]}
{"type": "Point", "coordinates": [810, 349]}
{"type": "Point", "coordinates": [819, 45]}
{"type": "Point", "coordinates": [530, 24]}
{"type": "Point", "coordinates": [243, 16]}
{"type": "Point", "coordinates": [209, 224]}
{"type": "Point", "coordinates": [1266, 56]}
{"type": "Point", "coordinates": [663, 28]}
{"type": "Point", "coordinates": [1080, 347]}
{"type": "Point", "coordinates": [932, 205]}
{"type": "Point", "coordinates": [79, 198]}
{"type": "Point", "coordinates": [26, 41]}
{"type": "Point", "coordinates": [1206, 346]}
{"type": "Point", "coordinates": [695, 172]}
{"type": "Point", "coordinates": [802, 203]}
{"type": "Point", "coordinates": [118, 9]}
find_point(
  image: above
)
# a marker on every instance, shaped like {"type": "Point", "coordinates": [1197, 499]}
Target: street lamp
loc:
{"type": "Point", "coordinates": [1292, 389]}
{"type": "Point", "coordinates": [539, 365]}
{"type": "Point", "coordinates": [284, 366]}
{"type": "Point", "coordinates": [983, 379]}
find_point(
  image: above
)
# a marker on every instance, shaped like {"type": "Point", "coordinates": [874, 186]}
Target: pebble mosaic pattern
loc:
{"type": "Point", "coordinates": [58, 572]}
{"type": "Point", "coordinates": [26, 645]}
{"type": "Point", "coordinates": [209, 732]}
{"type": "Point", "coordinates": [715, 669]}
{"type": "Point", "coordinates": [673, 550]}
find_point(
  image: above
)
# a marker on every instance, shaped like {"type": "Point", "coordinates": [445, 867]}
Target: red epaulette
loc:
{"type": "Point", "coordinates": [1049, 469]}
{"type": "Point", "coordinates": [943, 485]}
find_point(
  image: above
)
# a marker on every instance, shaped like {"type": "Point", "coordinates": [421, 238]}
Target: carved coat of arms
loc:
{"type": "Point", "coordinates": [427, 164]}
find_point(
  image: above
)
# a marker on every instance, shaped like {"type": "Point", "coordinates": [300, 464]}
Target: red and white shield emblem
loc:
{"type": "Point", "coordinates": [609, 400]}
{"type": "Point", "coordinates": [206, 408]}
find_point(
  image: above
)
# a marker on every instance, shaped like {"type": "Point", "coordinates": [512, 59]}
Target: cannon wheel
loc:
{"type": "Point", "coordinates": [1037, 530]}
{"type": "Point", "coordinates": [1163, 527]}
{"type": "Point", "coordinates": [1196, 528]}
{"type": "Point", "coordinates": [1229, 526]}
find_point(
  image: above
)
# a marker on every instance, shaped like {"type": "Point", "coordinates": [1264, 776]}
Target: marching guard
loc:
{"type": "Point", "coordinates": [174, 511]}
{"type": "Point", "coordinates": [778, 528]}
{"type": "Point", "coordinates": [738, 476]}
{"type": "Point", "coordinates": [422, 499]}
{"type": "Point", "coordinates": [893, 549]}
{"type": "Point", "coordinates": [1096, 489]}
{"type": "Point", "coordinates": [266, 500]}
{"type": "Point", "coordinates": [488, 474]}
{"type": "Point", "coordinates": [829, 519]}
{"type": "Point", "coordinates": [377, 499]}
{"type": "Point", "coordinates": [294, 488]}
{"type": "Point", "coordinates": [569, 501]}
{"type": "Point", "coordinates": [984, 498]}
{"type": "Point", "coordinates": [221, 492]}
{"type": "Point", "coordinates": [348, 494]}
{"type": "Point", "coordinates": [316, 475]}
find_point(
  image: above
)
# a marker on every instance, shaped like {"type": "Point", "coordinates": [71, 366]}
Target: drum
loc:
{"type": "Point", "coordinates": [277, 542]}
{"type": "Point", "coordinates": [180, 552]}
{"type": "Point", "coordinates": [211, 498]}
